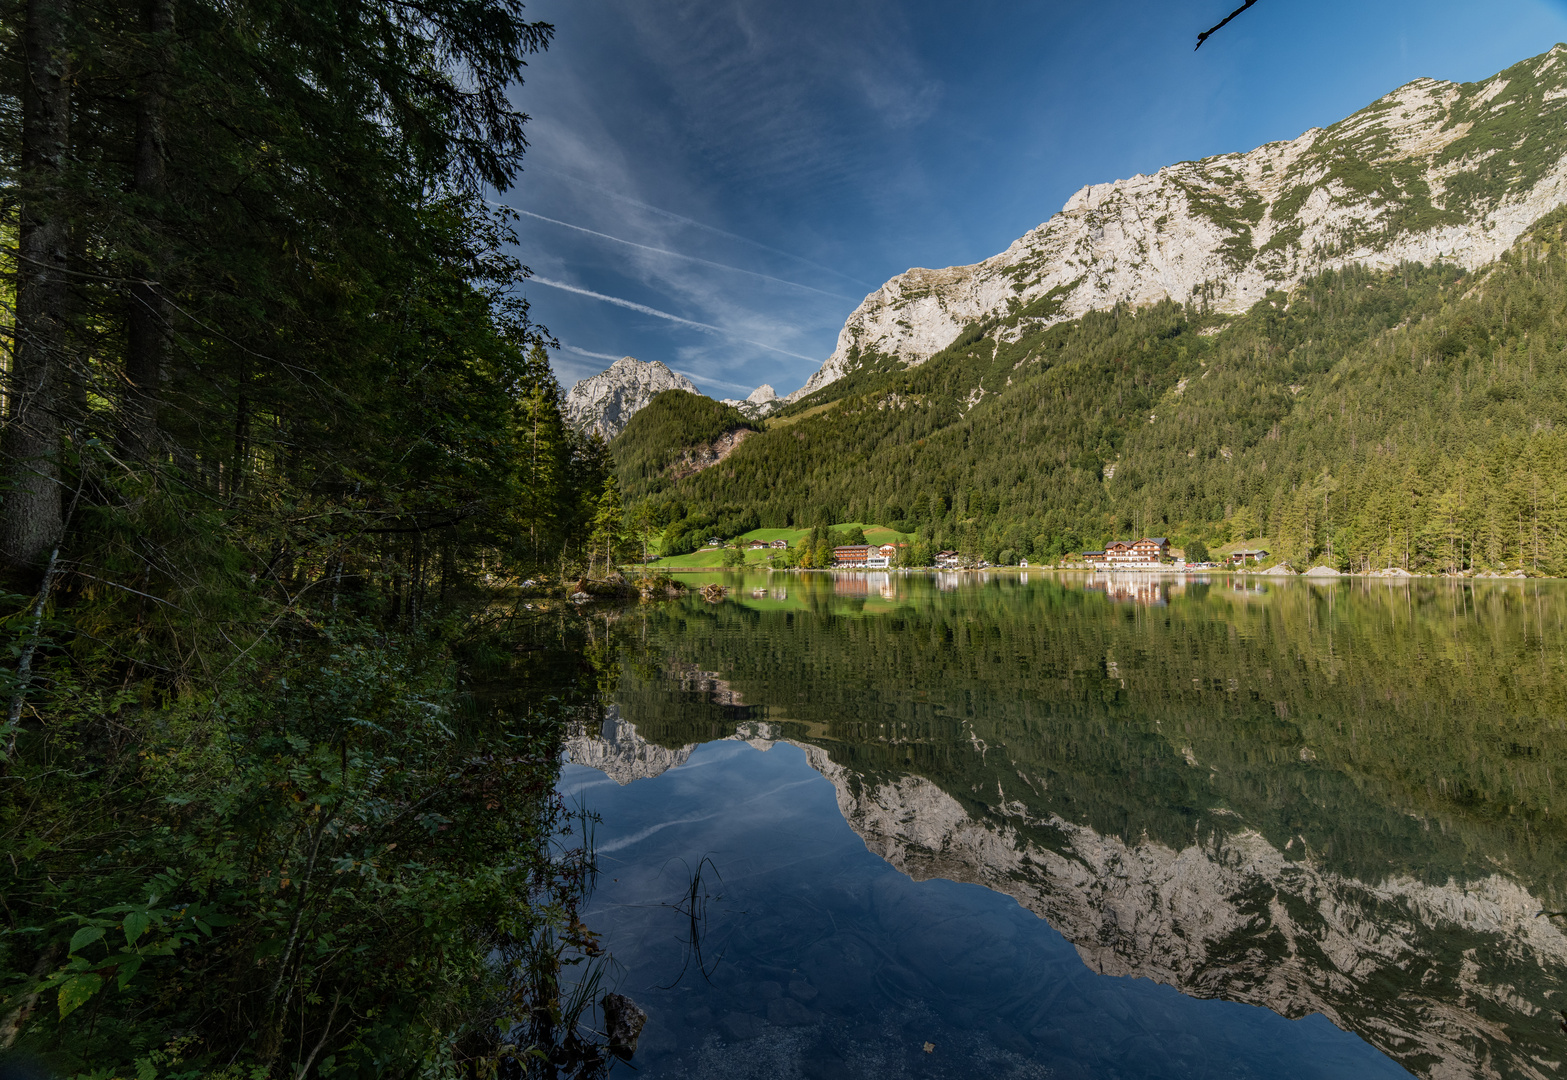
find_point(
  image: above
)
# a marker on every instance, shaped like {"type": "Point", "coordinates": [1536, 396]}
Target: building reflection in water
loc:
{"type": "Point", "coordinates": [863, 585]}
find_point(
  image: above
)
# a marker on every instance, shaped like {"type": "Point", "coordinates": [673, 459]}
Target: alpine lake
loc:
{"type": "Point", "coordinates": [1030, 824]}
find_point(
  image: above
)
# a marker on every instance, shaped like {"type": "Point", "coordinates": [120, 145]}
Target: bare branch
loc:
{"type": "Point", "coordinates": [1202, 37]}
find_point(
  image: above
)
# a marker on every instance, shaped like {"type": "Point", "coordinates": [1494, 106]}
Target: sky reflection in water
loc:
{"type": "Point", "coordinates": [1171, 801]}
{"type": "Point", "coordinates": [827, 962]}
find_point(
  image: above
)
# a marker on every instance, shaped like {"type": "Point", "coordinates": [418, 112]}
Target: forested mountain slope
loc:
{"type": "Point", "coordinates": [1432, 172]}
{"type": "Point", "coordinates": [1367, 417]}
{"type": "Point", "coordinates": [675, 435]}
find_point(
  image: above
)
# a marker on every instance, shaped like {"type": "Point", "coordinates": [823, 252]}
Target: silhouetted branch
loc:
{"type": "Point", "coordinates": [1202, 37]}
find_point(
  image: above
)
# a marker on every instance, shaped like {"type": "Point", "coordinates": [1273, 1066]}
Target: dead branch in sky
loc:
{"type": "Point", "coordinates": [1202, 37]}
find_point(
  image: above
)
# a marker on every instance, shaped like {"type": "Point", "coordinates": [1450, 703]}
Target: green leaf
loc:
{"type": "Point", "coordinates": [128, 970]}
{"type": "Point", "coordinates": [136, 924]}
{"type": "Point", "coordinates": [74, 994]}
{"type": "Point", "coordinates": [85, 937]}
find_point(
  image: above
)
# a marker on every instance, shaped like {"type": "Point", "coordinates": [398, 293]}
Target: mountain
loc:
{"type": "Point", "coordinates": [676, 435]}
{"type": "Point", "coordinates": [1372, 414]}
{"type": "Point", "coordinates": [608, 400]}
{"type": "Point", "coordinates": [763, 400]}
{"type": "Point", "coordinates": [1433, 172]}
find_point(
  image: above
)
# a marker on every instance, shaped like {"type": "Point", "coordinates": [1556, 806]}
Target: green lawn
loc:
{"type": "Point", "coordinates": [712, 558]}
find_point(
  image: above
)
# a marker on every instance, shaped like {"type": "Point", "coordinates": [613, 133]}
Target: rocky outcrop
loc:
{"type": "Point", "coordinates": [1434, 171]}
{"type": "Point", "coordinates": [607, 401]}
{"type": "Point", "coordinates": [763, 400]}
{"type": "Point", "coordinates": [693, 459]}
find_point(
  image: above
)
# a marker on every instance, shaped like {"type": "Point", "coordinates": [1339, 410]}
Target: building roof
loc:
{"type": "Point", "coordinates": [1155, 540]}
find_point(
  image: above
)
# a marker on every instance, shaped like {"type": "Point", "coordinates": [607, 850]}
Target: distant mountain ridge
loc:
{"type": "Point", "coordinates": [763, 400]}
{"type": "Point", "coordinates": [1432, 172]}
{"type": "Point", "coordinates": [606, 402]}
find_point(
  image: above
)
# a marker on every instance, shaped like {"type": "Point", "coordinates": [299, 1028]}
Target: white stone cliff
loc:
{"type": "Point", "coordinates": [1433, 171]}
{"type": "Point", "coordinates": [763, 400]}
{"type": "Point", "coordinates": [606, 402]}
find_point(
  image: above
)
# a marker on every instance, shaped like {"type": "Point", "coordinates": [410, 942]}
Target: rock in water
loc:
{"type": "Point", "coordinates": [607, 401]}
{"type": "Point", "coordinates": [623, 1022]}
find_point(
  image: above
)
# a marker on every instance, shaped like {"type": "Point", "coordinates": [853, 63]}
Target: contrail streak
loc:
{"type": "Point", "coordinates": [682, 255]}
{"type": "Point", "coordinates": [594, 355]}
{"type": "Point", "coordinates": [721, 232]}
{"type": "Point", "coordinates": [644, 309]}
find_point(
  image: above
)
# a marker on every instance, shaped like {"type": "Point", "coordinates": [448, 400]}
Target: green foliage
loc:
{"type": "Point", "coordinates": [656, 444]}
{"type": "Point", "coordinates": [1197, 552]}
{"type": "Point", "coordinates": [264, 820]}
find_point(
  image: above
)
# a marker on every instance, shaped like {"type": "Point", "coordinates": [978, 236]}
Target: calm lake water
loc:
{"type": "Point", "coordinates": [1019, 825]}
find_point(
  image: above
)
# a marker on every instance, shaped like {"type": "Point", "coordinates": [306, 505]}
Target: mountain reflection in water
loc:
{"type": "Point", "coordinates": [1318, 798]}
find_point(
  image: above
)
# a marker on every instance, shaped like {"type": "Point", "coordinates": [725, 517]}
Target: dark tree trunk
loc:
{"type": "Point", "coordinates": [146, 361]}
{"type": "Point", "coordinates": [31, 520]}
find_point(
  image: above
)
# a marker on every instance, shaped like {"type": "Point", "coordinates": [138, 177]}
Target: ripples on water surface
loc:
{"type": "Point", "coordinates": [1066, 826]}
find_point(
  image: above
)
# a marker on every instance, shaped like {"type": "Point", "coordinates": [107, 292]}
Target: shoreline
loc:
{"type": "Point", "coordinates": [1162, 571]}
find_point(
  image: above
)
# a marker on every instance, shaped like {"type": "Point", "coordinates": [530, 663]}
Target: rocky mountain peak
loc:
{"type": "Point", "coordinates": [761, 401]}
{"type": "Point", "coordinates": [1434, 171]}
{"type": "Point", "coordinates": [608, 400]}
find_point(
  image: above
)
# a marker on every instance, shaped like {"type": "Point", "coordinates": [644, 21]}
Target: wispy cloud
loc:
{"type": "Point", "coordinates": [611, 357]}
{"type": "Point", "coordinates": [716, 231]}
{"type": "Point", "coordinates": [682, 255]}
{"type": "Point", "coordinates": [631, 305]}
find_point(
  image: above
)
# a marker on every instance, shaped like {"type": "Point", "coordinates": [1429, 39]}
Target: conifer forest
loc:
{"type": "Point", "coordinates": [276, 786]}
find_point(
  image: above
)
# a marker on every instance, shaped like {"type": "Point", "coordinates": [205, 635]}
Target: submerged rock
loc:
{"type": "Point", "coordinates": [623, 1023]}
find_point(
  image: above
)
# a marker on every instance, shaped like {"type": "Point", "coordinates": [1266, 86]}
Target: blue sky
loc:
{"type": "Point", "coordinates": [716, 185]}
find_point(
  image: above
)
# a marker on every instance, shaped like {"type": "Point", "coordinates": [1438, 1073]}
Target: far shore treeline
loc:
{"type": "Point", "coordinates": [277, 777]}
{"type": "Point", "coordinates": [1410, 417]}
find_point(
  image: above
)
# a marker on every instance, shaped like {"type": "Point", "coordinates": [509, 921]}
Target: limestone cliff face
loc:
{"type": "Point", "coordinates": [1433, 171]}
{"type": "Point", "coordinates": [607, 401]}
{"type": "Point", "coordinates": [763, 400]}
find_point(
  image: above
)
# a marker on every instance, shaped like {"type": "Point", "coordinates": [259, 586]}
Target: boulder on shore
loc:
{"type": "Point", "coordinates": [1322, 572]}
{"type": "Point", "coordinates": [1281, 570]}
